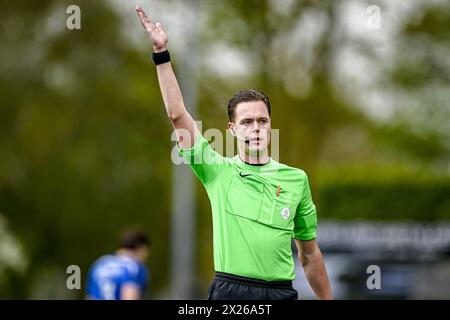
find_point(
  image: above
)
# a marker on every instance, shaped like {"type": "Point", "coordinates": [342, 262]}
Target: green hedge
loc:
{"type": "Point", "coordinates": [395, 201]}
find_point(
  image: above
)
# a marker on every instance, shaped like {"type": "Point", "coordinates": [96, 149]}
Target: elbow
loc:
{"type": "Point", "coordinates": [310, 257]}
{"type": "Point", "coordinates": [303, 260]}
{"type": "Point", "coordinates": [174, 116]}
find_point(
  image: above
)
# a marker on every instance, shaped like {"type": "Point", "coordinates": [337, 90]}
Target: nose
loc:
{"type": "Point", "coordinates": [255, 126]}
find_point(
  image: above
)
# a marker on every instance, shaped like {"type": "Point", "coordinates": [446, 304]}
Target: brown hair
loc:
{"type": "Point", "coordinates": [247, 95]}
{"type": "Point", "coordinates": [133, 239]}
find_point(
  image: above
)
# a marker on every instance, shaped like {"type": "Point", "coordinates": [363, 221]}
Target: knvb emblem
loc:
{"type": "Point", "coordinates": [285, 213]}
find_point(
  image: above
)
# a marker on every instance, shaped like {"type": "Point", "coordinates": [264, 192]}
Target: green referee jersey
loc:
{"type": "Point", "coordinates": [256, 210]}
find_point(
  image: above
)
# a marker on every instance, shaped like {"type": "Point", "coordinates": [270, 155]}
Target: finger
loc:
{"type": "Point", "coordinates": [159, 27]}
{"type": "Point", "coordinates": [145, 21]}
{"type": "Point", "coordinates": [139, 11]}
{"type": "Point", "coordinates": [150, 27]}
{"type": "Point", "coordinates": [142, 14]}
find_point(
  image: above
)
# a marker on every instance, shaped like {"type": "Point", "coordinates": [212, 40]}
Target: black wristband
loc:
{"type": "Point", "coordinates": [161, 57]}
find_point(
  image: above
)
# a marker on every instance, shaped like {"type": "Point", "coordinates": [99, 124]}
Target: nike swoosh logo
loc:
{"type": "Point", "coordinates": [244, 174]}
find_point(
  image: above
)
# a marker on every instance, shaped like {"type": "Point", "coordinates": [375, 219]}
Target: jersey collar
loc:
{"type": "Point", "coordinates": [254, 168]}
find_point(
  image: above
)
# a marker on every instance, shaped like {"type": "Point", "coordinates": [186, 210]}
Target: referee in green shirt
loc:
{"type": "Point", "coordinates": [258, 205]}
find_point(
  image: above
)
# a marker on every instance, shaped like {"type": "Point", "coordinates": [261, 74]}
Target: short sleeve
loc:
{"type": "Point", "coordinates": [202, 159]}
{"type": "Point", "coordinates": [137, 275]}
{"type": "Point", "coordinates": [305, 221]}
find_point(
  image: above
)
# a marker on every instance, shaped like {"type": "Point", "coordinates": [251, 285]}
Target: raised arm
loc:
{"type": "Point", "coordinates": [184, 125]}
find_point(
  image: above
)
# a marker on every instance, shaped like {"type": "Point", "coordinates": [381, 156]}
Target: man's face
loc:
{"type": "Point", "coordinates": [252, 124]}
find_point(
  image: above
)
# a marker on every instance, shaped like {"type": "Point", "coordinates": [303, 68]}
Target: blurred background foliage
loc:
{"type": "Point", "coordinates": [85, 143]}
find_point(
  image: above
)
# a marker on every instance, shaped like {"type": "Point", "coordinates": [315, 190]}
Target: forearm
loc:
{"type": "Point", "coordinates": [170, 91]}
{"type": "Point", "coordinates": [182, 121]}
{"type": "Point", "coordinates": [316, 274]}
{"type": "Point", "coordinates": [130, 292]}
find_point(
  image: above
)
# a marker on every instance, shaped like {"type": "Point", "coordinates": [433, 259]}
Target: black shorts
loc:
{"type": "Point", "coordinates": [227, 286]}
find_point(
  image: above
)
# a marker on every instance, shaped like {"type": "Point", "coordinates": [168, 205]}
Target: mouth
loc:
{"type": "Point", "coordinates": [256, 141]}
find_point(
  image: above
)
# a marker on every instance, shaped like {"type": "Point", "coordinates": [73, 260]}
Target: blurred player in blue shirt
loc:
{"type": "Point", "coordinates": [123, 275]}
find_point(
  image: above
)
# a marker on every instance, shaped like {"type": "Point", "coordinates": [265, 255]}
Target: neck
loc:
{"type": "Point", "coordinates": [128, 253]}
{"type": "Point", "coordinates": [259, 158]}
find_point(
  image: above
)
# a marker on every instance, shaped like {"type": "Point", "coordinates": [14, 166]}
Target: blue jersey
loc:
{"type": "Point", "coordinates": [109, 273]}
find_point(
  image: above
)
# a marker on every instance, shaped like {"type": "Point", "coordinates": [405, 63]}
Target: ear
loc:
{"type": "Point", "coordinates": [230, 126]}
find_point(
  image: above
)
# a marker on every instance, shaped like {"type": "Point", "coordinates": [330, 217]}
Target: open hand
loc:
{"type": "Point", "coordinates": [155, 31]}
